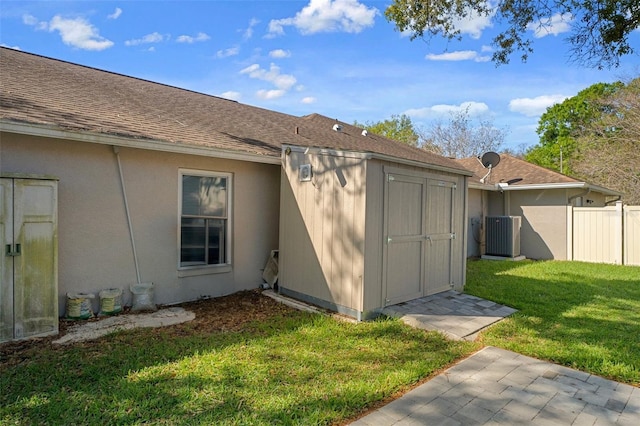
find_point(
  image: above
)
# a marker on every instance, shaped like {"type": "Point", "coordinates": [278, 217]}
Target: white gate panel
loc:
{"type": "Point", "coordinates": [632, 235]}
{"type": "Point", "coordinates": [597, 234]}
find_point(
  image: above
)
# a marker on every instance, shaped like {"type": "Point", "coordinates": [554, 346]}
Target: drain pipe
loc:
{"type": "Point", "coordinates": [116, 151]}
{"type": "Point", "coordinates": [618, 198]}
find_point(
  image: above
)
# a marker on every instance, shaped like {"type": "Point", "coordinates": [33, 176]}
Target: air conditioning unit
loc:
{"type": "Point", "coordinates": [502, 235]}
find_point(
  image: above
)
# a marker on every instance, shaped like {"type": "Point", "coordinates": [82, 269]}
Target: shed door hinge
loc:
{"type": "Point", "coordinates": [390, 178]}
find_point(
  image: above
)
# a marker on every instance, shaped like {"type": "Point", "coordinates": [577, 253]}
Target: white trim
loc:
{"type": "Point", "coordinates": [372, 155]}
{"type": "Point", "coordinates": [561, 185]}
{"type": "Point", "coordinates": [49, 131]}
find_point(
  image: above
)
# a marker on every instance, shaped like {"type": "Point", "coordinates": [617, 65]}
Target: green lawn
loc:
{"type": "Point", "coordinates": [294, 368]}
{"type": "Point", "coordinates": [582, 315]}
{"type": "Point", "coordinates": [300, 368]}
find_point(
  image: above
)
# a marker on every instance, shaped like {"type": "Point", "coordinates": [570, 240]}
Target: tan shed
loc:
{"type": "Point", "coordinates": [360, 231]}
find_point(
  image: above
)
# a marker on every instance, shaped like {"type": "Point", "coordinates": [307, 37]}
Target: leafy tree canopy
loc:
{"type": "Point", "coordinates": [600, 29]}
{"type": "Point", "coordinates": [561, 125]}
{"type": "Point", "coordinates": [398, 127]}
{"type": "Point", "coordinates": [608, 150]}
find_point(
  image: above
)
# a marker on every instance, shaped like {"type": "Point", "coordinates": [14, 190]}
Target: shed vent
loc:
{"type": "Point", "coordinates": [503, 235]}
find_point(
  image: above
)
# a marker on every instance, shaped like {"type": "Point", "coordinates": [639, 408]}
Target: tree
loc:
{"type": "Point", "coordinates": [460, 137]}
{"type": "Point", "coordinates": [398, 127]}
{"type": "Point", "coordinates": [561, 125]}
{"type": "Point", "coordinates": [608, 151]}
{"type": "Point", "coordinates": [600, 34]}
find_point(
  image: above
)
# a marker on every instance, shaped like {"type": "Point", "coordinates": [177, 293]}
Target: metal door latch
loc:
{"type": "Point", "coordinates": [11, 251]}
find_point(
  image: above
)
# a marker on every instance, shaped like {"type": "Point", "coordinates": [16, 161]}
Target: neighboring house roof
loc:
{"type": "Point", "coordinates": [513, 174]}
{"type": "Point", "coordinates": [49, 97]}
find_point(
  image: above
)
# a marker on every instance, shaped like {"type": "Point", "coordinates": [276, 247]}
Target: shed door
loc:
{"type": "Point", "coordinates": [404, 222]}
{"type": "Point", "coordinates": [419, 232]}
{"type": "Point", "coordinates": [29, 289]}
{"type": "Point", "coordinates": [6, 262]}
{"type": "Point", "coordinates": [440, 235]}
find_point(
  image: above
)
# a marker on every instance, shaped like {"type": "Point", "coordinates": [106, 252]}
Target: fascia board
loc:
{"type": "Point", "coordinates": [48, 131]}
{"type": "Point", "coordinates": [370, 155]}
{"type": "Point", "coordinates": [383, 157]}
{"type": "Point", "coordinates": [565, 185]}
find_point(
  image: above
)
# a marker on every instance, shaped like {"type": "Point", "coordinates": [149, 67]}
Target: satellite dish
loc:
{"type": "Point", "coordinates": [490, 159]}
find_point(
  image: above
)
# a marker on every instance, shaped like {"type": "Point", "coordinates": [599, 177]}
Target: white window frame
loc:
{"type": "Point", "coordinates": [188, 270]}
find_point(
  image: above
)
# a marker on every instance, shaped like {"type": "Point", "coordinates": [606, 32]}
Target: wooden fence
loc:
{"type": "Point", "coordinates": [604, 234]}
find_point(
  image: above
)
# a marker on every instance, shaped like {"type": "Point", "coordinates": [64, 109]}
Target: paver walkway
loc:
{"type": "Point", "coordinates": [457, 315]}
{"type": "Point", "coordinates": [499, 387]}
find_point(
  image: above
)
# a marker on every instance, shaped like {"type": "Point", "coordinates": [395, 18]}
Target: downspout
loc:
{"type": "Point", "coordinates": [613, 201]}
{"type": "Point", "coordinates": [116, 151]}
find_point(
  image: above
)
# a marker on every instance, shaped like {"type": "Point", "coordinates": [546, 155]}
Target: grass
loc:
{"type": "Point", "coordinates": [582, 315]}
{"type": "Point", "coordinates": [300, 368]}
{"type": "Point", "coordinates": [295, 368]}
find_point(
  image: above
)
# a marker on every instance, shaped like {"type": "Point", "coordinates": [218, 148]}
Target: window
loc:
{"type": "Point", "coordinates": [204, 218]}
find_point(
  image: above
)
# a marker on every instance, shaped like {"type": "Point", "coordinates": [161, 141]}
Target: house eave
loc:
{"type": "Point", "coordinates": [371, 155]}
{"type": "Point", "coordinates": [49, 131]}
{"type": "Point", "coordinates": [543, 186]}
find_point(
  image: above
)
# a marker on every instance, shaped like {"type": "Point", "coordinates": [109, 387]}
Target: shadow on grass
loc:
{"type": "Point", "coordinates": [293, 369]}
{"type": "Point", "coordinates": [586, 316]}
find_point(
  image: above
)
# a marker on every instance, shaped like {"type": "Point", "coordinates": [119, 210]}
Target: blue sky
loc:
{"type": "Point", "coordinates": [339, 58]}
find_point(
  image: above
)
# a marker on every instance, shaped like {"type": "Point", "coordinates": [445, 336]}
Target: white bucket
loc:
{"type": "Point", "coordinates": [79, 305]}
{"type": "Point", "coordinates": [142, 297]}
{"type": "Point", "coordinates": [110, 301]}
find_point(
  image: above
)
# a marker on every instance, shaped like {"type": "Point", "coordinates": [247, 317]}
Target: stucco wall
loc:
{"type": "Point", "coordinates": [94, 243]}
{"type": "Point", "coordinates": [544, 222]}
{"type": "Point", "coordinates": [477, 211]}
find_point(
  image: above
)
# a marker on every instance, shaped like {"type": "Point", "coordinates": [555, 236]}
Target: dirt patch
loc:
{"type": "Point", "coordinates": [227, 313]}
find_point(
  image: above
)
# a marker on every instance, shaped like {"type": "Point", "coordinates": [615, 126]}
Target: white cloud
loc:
{"type": "Point", "coordinates": [474, 24]}
{"type": "Point", "coordinates": [32, 21]}
{"type": "Point", "coordinates": [232, 51]}
{"type": "Point", "coordinates": [10, 47]}
{"type": "Point", "coordinates": [283, 82]}
{"type": "Point", "coordinates": [473, 108]}
{"type": "Point", "coordinates": [190, 39]}
{"type": "Point", "coordinates": [234, 96]}
{"type": "Point", "coordinates": [279, 53]}
{"type": "Point", "coordinates": [79, 33]}
{"type": "Point", "coordinates": [248, 33]}
{"type": "Point", "coordinates": [29, 20]}
{"type": "Point", "coordinates": [149, 38]}
{"type": "Point", "coordinates": [327, 16]}
{"type": "Point", "coordinates": [270, 94]}
{"type": "Point", "coordinates": [308, 100]}
{"type": "Point", "coordinates": [555, 25]}
{"type": "Point", "coordinates": [533, 107]}
{"type": "Point", "coordinates": [460, 55]}
{"type": "Point", "coordinates": [116, 14]}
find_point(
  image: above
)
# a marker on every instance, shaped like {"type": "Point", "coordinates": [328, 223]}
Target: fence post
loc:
{"type": "Point", "coordinates": [569, 232]}
{"type": "Point", "coordinates": [617, 232]}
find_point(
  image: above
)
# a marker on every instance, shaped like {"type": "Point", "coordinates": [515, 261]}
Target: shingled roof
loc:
{"type": "Point", "coordinates": [520, 174]}
{"type": "Point", "coordinates": [40, 91]}
{"type": "Point", "coordinates": [511, 168]}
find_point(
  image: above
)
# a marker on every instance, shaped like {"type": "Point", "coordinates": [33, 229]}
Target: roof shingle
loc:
{"type": "Point", "coordinates": [514, 171]}
{"type": "Point", "coordinates": [43, 91]}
